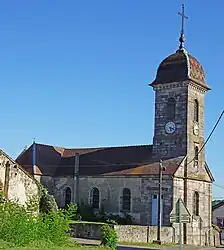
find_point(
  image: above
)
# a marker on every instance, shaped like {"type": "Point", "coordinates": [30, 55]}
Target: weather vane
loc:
{"type": "Point", "coordinates": [182, 38]}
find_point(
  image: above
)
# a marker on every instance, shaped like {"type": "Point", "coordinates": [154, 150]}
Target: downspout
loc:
{"type": "Point", "coordinates": [76, 180]}
{"type": "Point", "coordinates": [185, 198]}
{"type": "Point", "coordinates": [34, 158]}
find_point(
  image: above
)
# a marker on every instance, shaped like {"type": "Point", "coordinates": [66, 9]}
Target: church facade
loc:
{"type": "Point", "coordinates": [125, 180]}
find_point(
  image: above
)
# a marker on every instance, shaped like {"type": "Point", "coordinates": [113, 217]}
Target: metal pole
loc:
{"type": "Point", "coordinates": [180, 229]}
{"type": "Point", "coordinates": [76, 180]}
{"type": "Point", "coordinates": [159, 203]}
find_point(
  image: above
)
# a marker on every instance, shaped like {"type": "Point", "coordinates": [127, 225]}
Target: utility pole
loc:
{"type": "Point", "coordinates": [159, 218]}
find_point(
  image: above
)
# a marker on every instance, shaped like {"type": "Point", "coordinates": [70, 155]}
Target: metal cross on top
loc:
{"type": "Point", "coordinates": [182, 38]}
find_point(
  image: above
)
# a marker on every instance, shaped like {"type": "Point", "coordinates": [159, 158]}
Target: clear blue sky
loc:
{"type": "Point", "coordinates": [74, 73]}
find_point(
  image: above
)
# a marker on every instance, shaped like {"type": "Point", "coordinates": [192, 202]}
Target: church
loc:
{"type": "Point", "coordinates": [125, 180]}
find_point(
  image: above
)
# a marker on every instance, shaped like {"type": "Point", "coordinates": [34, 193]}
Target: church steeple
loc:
{"type": "Point", "coordinates": [182, 37]}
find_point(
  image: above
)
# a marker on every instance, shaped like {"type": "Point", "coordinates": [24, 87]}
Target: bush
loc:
{"type": "Point", "coordinates": [108, 236]}
{"type": "Point", "coordinates": [48, 204]}
{"type": "Point", "coordinates": [70, 211]}
{"type": "Point", "coordinates": [86, 212]}
{"type": "Point", "coordinates": [23, 229]}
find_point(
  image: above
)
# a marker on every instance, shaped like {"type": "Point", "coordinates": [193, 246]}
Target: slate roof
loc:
{"type": "Point", "coordinates": [125, 160]}
{"type": "Point", "coordinates": [180, 66]}
{"type": "Point", "coordinates": [219, 204]}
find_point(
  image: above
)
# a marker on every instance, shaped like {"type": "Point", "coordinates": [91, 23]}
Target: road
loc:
{"type": "Point", "coordinates": [122, 247]}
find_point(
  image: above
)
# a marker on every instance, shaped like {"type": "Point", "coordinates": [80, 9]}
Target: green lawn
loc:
{"type": "Point", "coordinates": [58, 248]}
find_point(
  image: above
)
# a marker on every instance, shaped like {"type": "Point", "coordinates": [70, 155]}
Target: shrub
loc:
{"type": "Point", "coordinates": [23, 229]}
{"type": "Point", "coordinates": [70, 211]}
{"type": "Point", "coordinates": [48, 203]}
{"type": "Point", "coordinates": [108, 236]}
{"type": "Point", "coordinates": [86, 212]}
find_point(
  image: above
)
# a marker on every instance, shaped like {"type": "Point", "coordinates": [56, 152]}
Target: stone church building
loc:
{"type": "Point", "coordinates": [125, 180]}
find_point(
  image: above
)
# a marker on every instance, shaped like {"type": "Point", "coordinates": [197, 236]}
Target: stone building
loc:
{"type": "Point", "coordinates": [16, 184]}
{"type": "Point", "coordinates": [124, 180]}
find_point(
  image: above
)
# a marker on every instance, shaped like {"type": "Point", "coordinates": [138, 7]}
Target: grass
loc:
{"type": "Point", "coordinates": [41, 245]}
{"type": "Point", "coordinates": [58, 248]}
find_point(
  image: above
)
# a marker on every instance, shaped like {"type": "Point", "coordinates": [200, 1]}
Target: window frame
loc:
{"type": "Point", "coordinates": [196, 110]}
{"type": "Point", "coordinates": [66, 195]}
{"type": "Point", "coordinates": [171, 108]}
{"type": "Point", "coordinates": [126, 199]}
{"type": "Point", "coordinates": [196, 155]}
{"type": "Point", "coordinates": [95, 198]}
{"type": "Point", "coordinates": [196, 203]}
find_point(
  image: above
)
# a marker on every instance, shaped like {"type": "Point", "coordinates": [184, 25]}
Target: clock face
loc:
{"type": "Point", "coordinates": [170, 127]}
{"type": "Point", "coordinates": [196, 129]}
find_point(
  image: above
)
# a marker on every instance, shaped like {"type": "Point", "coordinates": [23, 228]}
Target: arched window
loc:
{"type": "Point", "coordinates": [196, 110]}
{"type": "Point", "coordinates": [68, 196]}
{"type": "Point", "coordinates": [95, 198]}
{"type": "Point", "coordinates": [196, 152]}
{"type": "Point", "coordinates": [171, 108]}
{"type": "Point", "coordinates": [196, 204]}
{"type": "Point", "coordinates": [126, 199]}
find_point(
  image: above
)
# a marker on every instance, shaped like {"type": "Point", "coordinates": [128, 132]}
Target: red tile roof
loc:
{"type": "Point", "coordinates": [152, 168]}
{"type": "Point", "coordinates": [93, 161]}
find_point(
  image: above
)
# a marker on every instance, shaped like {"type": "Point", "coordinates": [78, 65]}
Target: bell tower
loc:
{"type": "Point", "coordinates": [179, 105]}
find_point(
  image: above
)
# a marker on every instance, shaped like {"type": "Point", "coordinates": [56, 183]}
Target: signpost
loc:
{"type": "Point", "coordinates": [180, 214]}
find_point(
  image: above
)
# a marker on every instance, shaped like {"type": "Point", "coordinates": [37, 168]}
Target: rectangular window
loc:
{"type": "Point", "coordinates": [220, 222]}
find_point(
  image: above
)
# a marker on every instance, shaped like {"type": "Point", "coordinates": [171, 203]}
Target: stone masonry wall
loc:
{"type": "Point", "coordinates": [143, 234]}
{"type": "Point", "coordinates": [111, 188]}
{"type": "Point", "coordinates": [199, 230]}
{"type": "Point", "coordinates": [125, 233]}
{"type": "Point", "coordinates": [136, 234]}
{"type": "Point", "coordinates": [17, 185]}
{"type": "Point", "coordinates": [170, 145]}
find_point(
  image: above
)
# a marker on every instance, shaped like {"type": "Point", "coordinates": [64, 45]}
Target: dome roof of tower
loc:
{"type": "Point", "coordinates": [180, 66]}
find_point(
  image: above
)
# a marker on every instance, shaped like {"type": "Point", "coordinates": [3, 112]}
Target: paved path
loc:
{"type": "Point", "coordinates": [129, 247]}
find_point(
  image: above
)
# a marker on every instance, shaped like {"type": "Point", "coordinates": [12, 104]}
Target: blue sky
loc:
{"type": "Point", "coordinates": [75, 73]}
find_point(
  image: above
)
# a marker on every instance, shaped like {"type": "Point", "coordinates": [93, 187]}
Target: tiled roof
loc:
{"type": "Point", "coordinates": [171, 165]}
{"type": "Point", "coordinates": [93, 161]}
{"type": "Point", "coordinates": [180, 66]}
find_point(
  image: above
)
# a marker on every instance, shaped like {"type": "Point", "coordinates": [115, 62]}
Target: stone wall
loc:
{"type": "Point", "coordinates": [143, 234]}
{"type": "Point", "coordinates": [199, 230]}
{"type": "Point", "coordinates": [110, 188]}
{"type": "Point", "coordinates": [139, 234]}
{"type": "Point", "coordinates": [170, 145]}
{"type": "Point", "coordinates": [17, 185]}
{"type": "Point", "coordinates": [86, 230]}
{"type": "Point", "coordinates": [125, 233]}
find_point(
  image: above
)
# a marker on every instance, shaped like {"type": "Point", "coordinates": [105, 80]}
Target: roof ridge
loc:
{"type": "Point", "coordinates": [83, 148]}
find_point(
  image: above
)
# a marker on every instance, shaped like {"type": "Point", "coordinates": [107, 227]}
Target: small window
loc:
{"type": "Point", "coordinates": [196, 204]}
{"type": "Point", "coordinates": [171, 108]}
{"type": "Point", "coordinates": [95, 198]}
{"type": "Point", "coordinates": [126, 199]}
{"type": "Point", "coordinates": [196, 111]}
{"type": "Point", "coordinates": [220, 222]}
{"type": "Point", "coordinates": [196, 155]}
{"type": "Point", "coordinates": [68, 196]}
